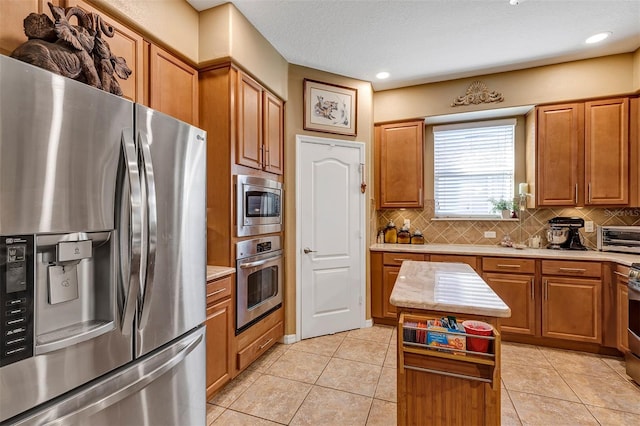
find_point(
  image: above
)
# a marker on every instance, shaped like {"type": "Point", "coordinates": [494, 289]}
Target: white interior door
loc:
{"type": "Point", "coordinates": [330, 224]}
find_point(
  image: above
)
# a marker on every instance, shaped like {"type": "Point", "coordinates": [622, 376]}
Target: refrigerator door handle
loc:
{"type": "Point", "coordinates": [104, 394]}
{"type": "Point", "coordinates": [132, 273]}
{"type": "Point", "coordinates": [152, 224]}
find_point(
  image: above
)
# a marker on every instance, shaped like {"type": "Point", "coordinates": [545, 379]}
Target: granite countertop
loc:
{"type": "Point", "coordinates": [488, 250]}
{"type": "Point", "coordinates": [446, 287]}
{"type": "Point", "coordinates": [215, 272]}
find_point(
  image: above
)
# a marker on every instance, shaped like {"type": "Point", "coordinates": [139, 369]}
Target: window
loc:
{"type": "Point", "coordinates": [473, 163]}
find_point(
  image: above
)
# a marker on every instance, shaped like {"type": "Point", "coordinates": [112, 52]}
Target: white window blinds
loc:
{"type": "Point", "coordinates": [473, 163]}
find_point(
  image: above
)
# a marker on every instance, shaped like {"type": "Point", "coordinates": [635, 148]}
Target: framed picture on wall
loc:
{"type": "Point", "coordinates": [330, 108]}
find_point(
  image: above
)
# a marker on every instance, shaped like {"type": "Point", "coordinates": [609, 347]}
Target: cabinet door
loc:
{"type": "Point", "coordinates": [273, 133]}
{"type": "Point", "coordinates": [173, 86]}
{"type": "Point", "coordinates": [127, 44]}
{"type": "Point", "coordinates": [249, 118]}
{"type": "Point", "coordinates": [622, 317]}
{"type": "Point", "coordinates": [607, 152]}
{"type": "Point", "coordinates": [389, 275]}
{"type": "Point", "coordinates": [401, 165]}
{"type": "Point", "coordinates": [12, 13]}
{"type": "Point", "coordinates": [559, 154]}
{"type": "Point", "coordinates": [571, 309]}
{"type": "Point", "coordinates": [219, 333]}
{"type": "Point", "coordinates": [518, 292]}
{"type": "Point", "coordinates": [634, 152]}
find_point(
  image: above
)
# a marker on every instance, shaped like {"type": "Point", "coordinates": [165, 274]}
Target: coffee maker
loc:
{"type": "Point", "coordinates": [564, 233]}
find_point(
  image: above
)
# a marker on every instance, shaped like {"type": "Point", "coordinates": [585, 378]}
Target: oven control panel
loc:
{"type": "Point", "coordinates": [16, 301]}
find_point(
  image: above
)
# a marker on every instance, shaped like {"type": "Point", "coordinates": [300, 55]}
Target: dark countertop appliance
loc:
{"type": "Point", "coordinates": [564, 233]}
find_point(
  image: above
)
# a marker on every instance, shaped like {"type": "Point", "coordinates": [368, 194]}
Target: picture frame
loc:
{"type": "Point", "coordinates": [330, 108]}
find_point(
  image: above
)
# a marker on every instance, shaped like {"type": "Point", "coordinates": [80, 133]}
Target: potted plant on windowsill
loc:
{"type": "Point", "coordinates": [503, 206]}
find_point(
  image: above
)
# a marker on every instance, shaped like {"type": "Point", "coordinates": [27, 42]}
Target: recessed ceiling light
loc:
{"type": "Point", "coordinates": [382, 75]}
{"type": "Point", "coordinates": [515, 2]}
{"type": "Point", "coordinates": [598, 37]}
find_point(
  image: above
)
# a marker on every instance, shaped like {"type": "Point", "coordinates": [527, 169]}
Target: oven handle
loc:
{"type": "Point", "coordinates": [253, 264]}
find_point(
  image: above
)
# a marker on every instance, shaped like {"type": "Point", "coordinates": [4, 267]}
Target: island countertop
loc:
{"type": "Point", "coordinates": [447, 287]}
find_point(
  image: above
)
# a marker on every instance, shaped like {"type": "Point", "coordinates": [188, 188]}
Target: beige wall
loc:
{"type": "Point", "coordinates": [636, 71]}
{"type": "Point", "coordinates": [605, 76]}
{"type": "Point", "coordinates": [226, 33]}
{"type": "Point", "coordinates": [173, 23]}
{"type": "Point", "coordinates": [294, 126]}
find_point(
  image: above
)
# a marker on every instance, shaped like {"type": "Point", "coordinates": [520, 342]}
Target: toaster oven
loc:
{"type": "Point", "coordinates": [624, 239]}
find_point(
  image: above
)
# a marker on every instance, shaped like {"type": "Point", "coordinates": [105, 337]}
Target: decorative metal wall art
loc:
{"type": "Point", "coordinates": [478, 93]}
{"type": "Point", "coordinates": [75, 51]}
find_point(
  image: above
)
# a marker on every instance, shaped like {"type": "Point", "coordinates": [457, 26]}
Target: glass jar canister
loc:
{"type": "Point", "coordinates": [391, 233]}
{"type": "Point", "coordinates": [404, 236]}
{"type": "Point", "coordinates": [417, 238]}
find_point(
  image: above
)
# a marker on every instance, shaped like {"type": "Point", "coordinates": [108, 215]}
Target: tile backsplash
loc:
{"type": "Point", "coordinates": [531, 222]}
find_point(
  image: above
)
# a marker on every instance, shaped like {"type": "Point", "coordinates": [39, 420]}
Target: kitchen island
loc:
{"type": "Point", "coordinates": [448, 384]}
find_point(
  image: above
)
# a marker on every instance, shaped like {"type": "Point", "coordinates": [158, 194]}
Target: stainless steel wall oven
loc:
{"type": "Point", "coordinates": [259, 273]}
{"type": "Point", "coordinates": [633, 356]}
{"type": "Point", "coordinates": [258, 206]}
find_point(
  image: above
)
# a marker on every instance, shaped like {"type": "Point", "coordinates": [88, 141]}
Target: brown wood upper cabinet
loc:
{"type": "Point", "coordinates": [399, 158]}
{"type": "Point", "coordinates": [260, 127]}
{"type": "Point", "coordinates": [582, 153]}
{"type": "Point", "coordinates": [127, 44]}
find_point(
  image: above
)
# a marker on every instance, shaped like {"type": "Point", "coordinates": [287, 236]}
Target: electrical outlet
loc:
{"type": "Point", "coordinates": [407, 223]}
{"type": "Point", "coordinates": [489, 234]}
{"type": "Point", "coordinates": [588, 226]}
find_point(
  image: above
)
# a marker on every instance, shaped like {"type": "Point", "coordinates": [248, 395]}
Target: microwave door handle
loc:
{"type": "Point", "coordinates": [134, 211]}
{"type": "Point", "coordinates": [152, 223]}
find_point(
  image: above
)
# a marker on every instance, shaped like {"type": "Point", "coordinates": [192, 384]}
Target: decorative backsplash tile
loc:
{"type": "Point", "coordinates": [531, 222]}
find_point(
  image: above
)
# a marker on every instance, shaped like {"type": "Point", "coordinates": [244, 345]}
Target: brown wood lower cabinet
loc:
{"type": "Point", "coordinates": [518, 292]}
{"type": "Point", "coordinates": [220, 333]}
{"type": "Point", "coordinates": [258, 338]}
{"type": "Point", "coordinates": [445, 388]}
{"type": "Point", "coordinates": [571, 309]}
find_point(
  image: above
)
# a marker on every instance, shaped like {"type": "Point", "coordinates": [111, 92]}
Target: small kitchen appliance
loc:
{"type": "Point", "coordinates": [564, 233]}
{"type": "Point", "coordinates": [623, 239]}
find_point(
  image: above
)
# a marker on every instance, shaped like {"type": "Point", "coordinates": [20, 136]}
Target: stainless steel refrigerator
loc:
{"type": "Point", "coordinates": [102, 257]}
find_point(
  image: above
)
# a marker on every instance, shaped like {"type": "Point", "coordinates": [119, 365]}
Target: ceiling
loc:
{"type": "Point", "coordinates": [435, 40]}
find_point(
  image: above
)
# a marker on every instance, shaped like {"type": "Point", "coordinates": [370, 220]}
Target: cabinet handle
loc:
{"type": "Point", "coordinates": [580, 270]}
{"type": "Point", "coordinates": [575, 195]}
{"type": "Point", "coordinates": [589, 192]}
{"type": "Point", "coordinates": [265, 344]}
{"type": "Point", "coordinates": [546, 284]}
{"type": "Point", "coordinates": [621, 274]}
{"type": "Point", "coordinates": [261, 161]}
{"type": "Point", "coordinates": [508, 266]}
{"type": "Point", "coordinates": [400, 260]}
{"type": "Point", "coordinates": [445, 373]}
{"type": "Point", "coordinates": [267, 157]}
{"type": "Point", "coordinates": [533, 291]}
{"type": "Point", "coordinates": [220, 290]}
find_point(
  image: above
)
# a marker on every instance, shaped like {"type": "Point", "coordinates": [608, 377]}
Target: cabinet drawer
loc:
{"type": "Point", "coordinates": [396, 259]}
{"type": "Point", "coordinates": [573, 269]}
{"type": "Point", "coordinates": [455, 258]}
{"type": "Point", "coordinates": [621, 273]}
{"type": "Point", "coordinates": [260, 345]}
{"type": "Point", "coordinates": [504, 264]}
{"type": "Point", "coordinates": [219, 289]}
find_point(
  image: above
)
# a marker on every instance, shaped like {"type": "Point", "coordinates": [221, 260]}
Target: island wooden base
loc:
{"type": "Point", "coordinates": [447, 388]}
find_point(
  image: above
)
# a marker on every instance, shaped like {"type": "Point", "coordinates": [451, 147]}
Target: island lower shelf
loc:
{"type": "Point", "coordinates": [446, 386]}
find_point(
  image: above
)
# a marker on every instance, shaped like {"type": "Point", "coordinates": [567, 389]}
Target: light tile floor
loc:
{"type": "Point", "coordinates": [350, 379]}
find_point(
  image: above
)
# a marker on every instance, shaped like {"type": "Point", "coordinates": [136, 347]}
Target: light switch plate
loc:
{"type": "Point", "coordinates": [588, 226]}
{"type": "Point", "coordinates": [489, 234]}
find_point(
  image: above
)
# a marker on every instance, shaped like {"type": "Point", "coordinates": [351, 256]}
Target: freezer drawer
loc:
{"type": "Point", "coordinates": [167, 387]}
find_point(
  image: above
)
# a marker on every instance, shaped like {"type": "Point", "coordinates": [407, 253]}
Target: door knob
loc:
{"type": "Point", "coordinates": [307, 250]}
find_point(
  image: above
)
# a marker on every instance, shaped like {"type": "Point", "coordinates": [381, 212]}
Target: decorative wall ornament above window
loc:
{"type": "Point", "coordinates": [478, 93]}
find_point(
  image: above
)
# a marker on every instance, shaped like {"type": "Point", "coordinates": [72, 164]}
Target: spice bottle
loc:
{"type": "Point", "coordinates": [404, 236]}
{"type": "Point", "coordinates": [391, 233]}
{"type": "Point", "coordinates": [417, 237]}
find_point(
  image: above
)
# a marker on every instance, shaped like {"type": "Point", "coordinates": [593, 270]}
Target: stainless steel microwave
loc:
{"type": "Point", "coordinates": [258, 206]}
